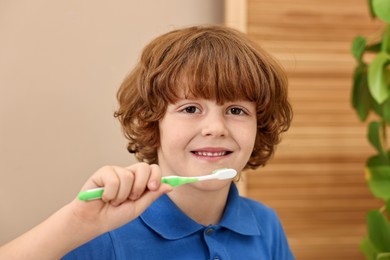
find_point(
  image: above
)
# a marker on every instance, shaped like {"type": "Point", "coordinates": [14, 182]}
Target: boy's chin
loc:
{"type": "Point", "coordinates": [212, 185]}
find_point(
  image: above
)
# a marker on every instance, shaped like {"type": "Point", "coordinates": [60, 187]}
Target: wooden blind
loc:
{"type": "Point", "coordinates": [316, 179]}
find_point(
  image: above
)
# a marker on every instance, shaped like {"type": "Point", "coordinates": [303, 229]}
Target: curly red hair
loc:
{"type": "Point", "coordinates": [211, 62]}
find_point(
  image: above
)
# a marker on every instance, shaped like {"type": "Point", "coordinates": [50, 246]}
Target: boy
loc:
{"type": "Point", "coordinates": [200, 99]}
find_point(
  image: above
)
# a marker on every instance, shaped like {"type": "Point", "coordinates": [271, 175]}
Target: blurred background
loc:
{"type": "Point", "coordinates": [62, 62]}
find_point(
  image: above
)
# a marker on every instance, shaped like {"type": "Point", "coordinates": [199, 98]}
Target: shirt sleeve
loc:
{"type": "Point", "coordinates": [281, 247]}
{"type": "Point", "coordinates": [98, 248]}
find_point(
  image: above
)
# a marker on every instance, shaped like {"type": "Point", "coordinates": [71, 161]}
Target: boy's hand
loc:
{"type": "Point", "coordinates": [127, 193]}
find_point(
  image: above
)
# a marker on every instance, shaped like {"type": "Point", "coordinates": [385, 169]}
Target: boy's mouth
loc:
{"type": "Point", "coordinates": [211, 154]}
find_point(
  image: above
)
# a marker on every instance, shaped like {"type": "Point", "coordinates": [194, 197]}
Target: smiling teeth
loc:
{"type": "Point", "coordinates": [210, 153]}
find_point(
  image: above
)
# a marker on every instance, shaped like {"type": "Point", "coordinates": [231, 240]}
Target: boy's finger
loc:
{"type": "Point", "coordinates": [126, 182]}
{"type": "Point", "coordinates": [155, 177]}
{"type": "Point", "coordinates": [141, 177]}
{"type": "Point", "coordinates": [109, 179]}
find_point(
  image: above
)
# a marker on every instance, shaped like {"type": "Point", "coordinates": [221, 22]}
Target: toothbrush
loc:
{"type": "Point", "coordinates": [220, 174]}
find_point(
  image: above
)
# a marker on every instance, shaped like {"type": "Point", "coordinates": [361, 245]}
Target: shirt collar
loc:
{"type": "Point", "coordinates": [238, 216]}
{"type": "Point", "coordinates": [166, 219]}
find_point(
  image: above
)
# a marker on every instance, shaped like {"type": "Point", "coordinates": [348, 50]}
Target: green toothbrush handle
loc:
{"type": "Point", "coordinates": [92, 194]}
{"type": "Point", "coordinates": [176, 181]}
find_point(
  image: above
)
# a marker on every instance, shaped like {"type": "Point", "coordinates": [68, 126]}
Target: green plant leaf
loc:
{"type": "Point", "coordinates": [388, 206]}
{"type": "Point", "coordinates": [377, 160]}
{"type": "Point", "coordinates": [371, 9]}
{"type": "Point", "coordinates": [386, 110]}
{"type": "Point", "coordinates": [376, 47]}
{"type": "Point", "coordinates": [374, 129]}
{"type": "Point", "coordinates": [378, 230]}
{"type": "Point", "coordinates": [379, 181]}
{"type": "Point", "coordinates": [360, 93]}
{"type": "Point", "coordinates": [383, 256]}
{"type": "Point", "coordinates": [358, 47]}
{"type": "Point", "coordinates": [381, 9]}
{"type": "Point", "coordinates": [376, 107]}
{"type": "Point", "coordinates": [368, 249]}
{"type": "Point", "coordinates": [385, 40]}
{"type": "Point", "coordinates": [377, 79]}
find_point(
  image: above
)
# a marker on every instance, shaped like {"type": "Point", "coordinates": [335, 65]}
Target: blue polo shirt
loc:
{"type": "Point", "coordinates": [248, 230]}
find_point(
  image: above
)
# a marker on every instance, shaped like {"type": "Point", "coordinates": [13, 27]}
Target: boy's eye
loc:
{"type": "Point", "coordinates": [236, 111]}
{"type": "Point", "coordinates": [190, 109]}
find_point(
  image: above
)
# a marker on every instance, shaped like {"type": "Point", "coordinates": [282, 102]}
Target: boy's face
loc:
{"type": "Point", "coordinates": [198, 136]}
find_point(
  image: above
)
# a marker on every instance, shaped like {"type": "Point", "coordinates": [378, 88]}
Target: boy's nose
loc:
{"type": "Point", "coordinates": [214, 125]}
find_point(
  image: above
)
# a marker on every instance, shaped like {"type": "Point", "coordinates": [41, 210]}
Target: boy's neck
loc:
{"type": "Point", "coordinates": [204, 207]}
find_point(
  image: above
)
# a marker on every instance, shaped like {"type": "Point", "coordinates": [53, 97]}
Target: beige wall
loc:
{"type": "Point", "coordinates": [60, 65]}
